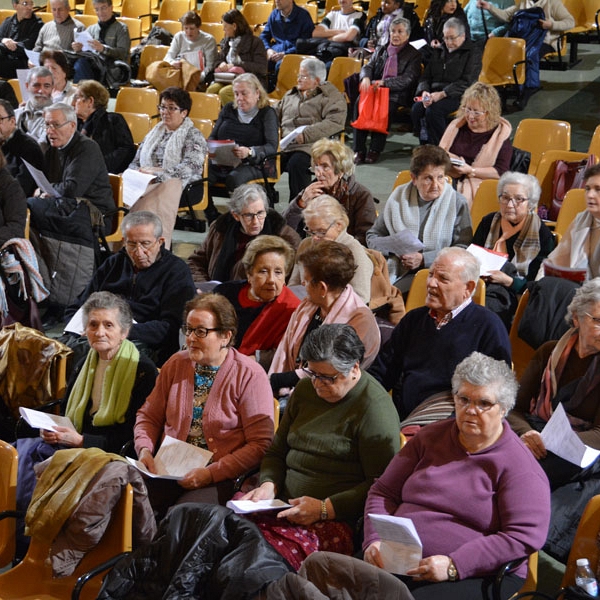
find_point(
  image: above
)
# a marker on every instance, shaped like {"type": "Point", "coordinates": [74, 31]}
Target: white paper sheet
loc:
{"type": "Point", "coordinates": [243, 507]}
{"type": "Point", "coordinates": [84, 38]}
{"type": "Point", "coordinates": [33, 57]}
{"type": "Point", "coordinates": [397, 244]}
{"type": "Point", "coordinates": [558, 437]}
{"type": "Point", "coordinates": [135, 184]}
{"type": "Point", "coordinates": [75, 325]}
{"type": "Point", "coordinates": [40, 180]}
{"type": "Point", "coordinates": [290, 138]}
{"type": "Point", "coordinates": [489, 261]}
{"type": "Point", "coordinates": [22, 77]}
{"type": "Point", "coordinates": [401, 547]}
{"type": "Point", "coordinates": [221, 153]}
{"type": "Point", "coordinates": [42, 420]}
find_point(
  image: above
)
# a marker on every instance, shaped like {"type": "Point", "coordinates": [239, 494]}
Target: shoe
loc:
{"type": "Point", "coordinates": [372, 157]}
{"type": "Point", "coordinates": [359, 158]}
{"type": "Point", "coordinates": [526, 94]}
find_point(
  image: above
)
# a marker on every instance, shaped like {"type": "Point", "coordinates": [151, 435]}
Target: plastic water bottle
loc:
{"type": "Point", "coordinates": [584, 577]}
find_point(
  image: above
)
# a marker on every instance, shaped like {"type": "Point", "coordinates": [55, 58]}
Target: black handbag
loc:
{"type": "Point", "coordinates": [520, 160]}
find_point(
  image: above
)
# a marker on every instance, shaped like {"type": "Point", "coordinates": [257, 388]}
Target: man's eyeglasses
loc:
{"type": "Point", "coordinates": [451, 38]}
{"type": "Point", "coordinates": [318, 233]}
{"type": "Point", "coordinates": [169, 109]}
{"type": "Point", "coordinates": [506, 199]}
{"type": "Point", "coordinates": [30, 4]}
{"type": "Point", "coordinates": [261, 215]}
{"type": "Point", "coordinates": [2, 118]}
{"type": "Point", "coordinates": [199, 332]}
{"type": "Point", "coordinates": [481, 406]}
{"type": "Point", "coordinates": [145, 245]}
{"type": "Point", "coordinates": [326, 379]}
{"type": "Point", "coordinates": [56, 126]}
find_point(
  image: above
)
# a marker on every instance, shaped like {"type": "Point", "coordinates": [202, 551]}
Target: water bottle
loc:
{"type": "Point", "coordinates": [584, 577]}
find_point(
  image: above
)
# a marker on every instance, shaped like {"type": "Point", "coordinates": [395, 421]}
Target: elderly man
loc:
{"type": "Point", "coordinates": [60, 33]}
{"type": "Point", "coordinates": [110, 43]}
{"type": "Point", "coordinates": [30, 118]}
{"type": "Point", "coordinates": [17, 147]}
{"type": "Point", "coordinates": [453, 67]}
{"type": "Point", "coordinates": [286, 24]}
{"type": "Point", "coordinates": [155, 282]}
{"type": "Point", "coordinates": [17, 34]}
{"type": "Point", "coordinates": [430, 341]}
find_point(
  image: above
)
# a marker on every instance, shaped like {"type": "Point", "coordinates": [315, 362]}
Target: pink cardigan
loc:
{"type": "Point", "coordinates": [238, 414]}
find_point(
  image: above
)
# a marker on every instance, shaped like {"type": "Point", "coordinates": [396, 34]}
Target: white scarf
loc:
{"type": "Point", "coordinates": [173, 150]}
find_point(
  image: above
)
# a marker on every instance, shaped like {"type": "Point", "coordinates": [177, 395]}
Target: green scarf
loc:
{"type": "Point", "coordinates": [116, 388]}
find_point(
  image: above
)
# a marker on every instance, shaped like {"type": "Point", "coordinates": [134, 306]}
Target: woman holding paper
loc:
{"type": "Point", "coordinates": [338, 432]}
{"type": "Point", "coordinates": [476, 497]}
{"type": "Point", "coordinates": [427, 207]}
{"type": "Point", "coordinates": [517, 232]}
{"type": "Point", "coordinates": [566, 372]}
{"type": "Point", "coordinates": [56, 62]}
{"type": "Point", "coordinates": [210, 396]}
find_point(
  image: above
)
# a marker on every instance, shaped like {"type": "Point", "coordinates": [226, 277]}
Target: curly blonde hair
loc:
{"type": "Point", "coordinates": [341, 155]}
{"type": "Point", "coordinates": [488, 98]}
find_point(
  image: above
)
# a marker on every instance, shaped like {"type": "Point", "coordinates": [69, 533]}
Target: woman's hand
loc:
{"type": "Point", "coordinates": [62, 435]}
{"type": "Point", "coordinates": [147, 460]}
{"type": "Point", "coordinates": [533, 440]}
{"type": "Point", "coordinates": [412, 261]}
{"type": "Point", "coordinates": [500, 278]}
{"type": "Point", "coordinates": [373, 555]}
{"type": "Point", "coordinates": [483, 4]}
{"type": "Point", "coordinates": [305, 511]}
{"type": "Point", "coordinates": [264, 492]}
{"type": "Point", "coordinates": [365, 84]}
{"type": "Point", "coordinates": [311, 191]}
{"type": "Point", "coordinates": [432, 568]}
{"type": "Point", "coordinates": [241, 152]}
{"type": "Point", "coordinates": [177, 64]}
{"type": "Point", "coordinates": [222, 67]}
{"type": "Point", "coordinates": [460, 170]}
{"type": "Point", "coordinates": [196, 479]}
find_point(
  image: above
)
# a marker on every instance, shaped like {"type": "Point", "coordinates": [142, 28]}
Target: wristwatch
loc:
{"type": "Point", "coordinates": [324, 510]}
{"type": "Point", "coordinates": [452, 572]}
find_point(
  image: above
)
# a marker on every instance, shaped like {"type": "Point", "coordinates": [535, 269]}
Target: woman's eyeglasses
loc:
{"type": "Point", "coordinates": [506, 199]}
{"type": "Point", "coordinates": [318, 233]}
{"type": "Point", "coordinates": [261, 215]}
{"type": "Point", "coordinates": [480, 406]}
{"type": "Point", "coordinates": [199, 332]}
{"type": "Point", "coordinates": [473, 112]}
{"type": "Point", "coordinates": [326, 379]}
{"type": "Point", "coordinates": [169, 109]}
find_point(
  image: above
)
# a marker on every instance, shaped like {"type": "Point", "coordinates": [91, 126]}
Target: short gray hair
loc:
{"type": "Point", "coordinates": [584, 299]}
{"type": "Point", "coordinates": [315, 67]}
{"type": "Point", "coordinates": [246, 193]}
{"type": "Point", "coordinates": [485, 371]}
{"type": "Point", "coordinates": [142, 217]}
{"type": "Point", "coordinates": [529, 182]}
{"type": "Point", "coordinates": [456, 24]}
{"type": "Point", "coordinates": [38, 72]}
{"type": "Point", "coordinates": [109, 301]}
{"type": "Point", "coordinates": [326, 207]}
{"type": "Point", "coordinates": [65, 3]}
{"type": "Point", "coordinates": [470, 266]}
{"type": "Point", "coordinates": [336, 344]}
{"type": "Point", "coordinates": [400, 21]}
{"type": "Point", "coordinates": [68, 111]}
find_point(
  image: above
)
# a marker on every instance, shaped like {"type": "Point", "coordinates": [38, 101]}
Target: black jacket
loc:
{"type": "Point", "coordinates": [23, 32]}
{"type": "Point", "coordinates": [17, 148]}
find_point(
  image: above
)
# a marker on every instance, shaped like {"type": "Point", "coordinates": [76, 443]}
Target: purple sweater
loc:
{"type": "Point", "coordinates": [481, 509]}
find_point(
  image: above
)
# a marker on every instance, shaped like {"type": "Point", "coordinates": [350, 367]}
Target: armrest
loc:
{"type": "Point", "coordinates": [506, 568]}
{"type": "Point", "coordinates": [83, 579]}
{"type": "Point", "coordinates": [11, 514]}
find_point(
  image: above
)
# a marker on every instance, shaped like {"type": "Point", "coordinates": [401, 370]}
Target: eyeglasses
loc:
{"type": "Point", "coordinates": [304, 77]}
{"type": "Point", "coordinates": [451, 38]}
{"type": "Point", "coordinates": [56, 126]}
{"type": "Point", "coordinates": [2, 118]}
{"type": "Point", "coordinates": [319, 233]}
{"type": "Point", "coordinates": [145, 245]}
{"type": "Point", "coordinates": [30, 4]}
{"type": "Point", "coordinates": [261, 215]}
{"type": "Point", "coordinates": [475, 113]}
{"type": "Point", "coordinates": [595, 321]}
{"type": "Point", "coordinates": [322, 167]}
{"type": "Point", "coordinates": [516, 200]}
{"type": "Point", "coordinates": [169, 109]}
{"type": "Point", "coordinates": [480, 406]}
{"type": "Point", "coordinates": [326, 379]}
{"type": "Point", "coordinates": [199, 332]}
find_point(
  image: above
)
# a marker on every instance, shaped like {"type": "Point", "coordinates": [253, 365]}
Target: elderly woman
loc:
{"type": "Point", "coordinates": [478, 140]}
{"type": "Point", "coordinates": [327, 269]}
{"type": "Point", "coordinates": [516, 231]}
{"type": "Point", "coordinates": [263, 303]}
{"type": "Point", "coordinates": [252, 124]}
{"type": "Point", "coordinates": [396, 66]}
{"type": "Point", "coordinates": [427, 207]}
{"type": "Point", "coordinates": [219, 256]}
{"type": "Point", "coordinates": [319, 109]}
{"type": "Point", "coordinates": [333, 165]}
{"type": "Point", "coordinates": [241, 52]}
{"type": "Point", "coordinates": [564, 372]}
{"type": "Point", "coordinates": [56, 62]}
{"type": "Point", "coordinates": [579, 248]}
{"type": "Point", "coordinates": [210, 396]}
{"type": "Point", "coordinates": [338, 433]}
{"type": "Point", "coordinates": [108, 129]}
{"type": "Point", "coordinates": [326, 219]}
{"type": "Point", "coordinates": [466, 537]}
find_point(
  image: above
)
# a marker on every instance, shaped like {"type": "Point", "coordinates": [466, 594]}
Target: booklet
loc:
{"type": "Point", "coordinates": [43, 420]}
{"type": "Point", "coordinates": [135, 184]}
{"type": "Point", "coordinates": [559, 437]}
{"type": "Point", "coordinates": [175, 459]}
{"type": "Point", "coordinates": [488, 259]}
{"type": "Point", "coordinates": [243, 507]}
{"type": "Point", "coordinates": [579, 275]}
{"type": "Point", "coordinates": [221, 153]}
{"type": "Point", "coordinates": [401, 548]}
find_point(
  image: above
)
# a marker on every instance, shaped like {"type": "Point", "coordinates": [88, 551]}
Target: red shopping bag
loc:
{"type": "Point", "coordinates": [373, 110]}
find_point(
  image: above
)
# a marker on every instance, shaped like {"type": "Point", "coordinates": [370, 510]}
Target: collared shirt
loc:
{"type": "Point", "coordinates": [439, 323]}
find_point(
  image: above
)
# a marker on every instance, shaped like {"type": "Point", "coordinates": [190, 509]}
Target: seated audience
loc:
{"type": "Point", "coordinates": [483, 24]}
{"type": "Point", "coordinates": [517, 232]}
{"type": "Point", "coordinates": [155, 282]}
{"type": "Point", "coordinates": [315, 104]}
{"type": "Point", "coordinates": [13, 205]}
{"type": "Point", "coordinates": [240, 52]}
{"type": "Point", "coordinates": [564, 372]}
{"type": "Point", "coordinates": [59, 33]}
{"type": "Point", "coordinates": [110, 43]}
{"type": "Point", "coordinates": [333, 166]}
{"type": "Point", "coordinates": [480, 138]}
{"type": "Point", "coordinates": [452, 68]}
{"type": "Point", "coordinates": [418, 361]}
{"type": "Point", "coordinates": [219, 256]}
{"type": "Point", "coordinates": [252, 124]}
{"type": "Point", "coordinates": [17, 147]}
{"type": "Point", "coordinates": [438, 13]}
{"type": "Point", "coordinates": [469, 487]}
{"type": "Point", "coordinates": [396, 66]}
{"type": "Point", "coordinates": [62, 73]}
{"type": "Point", "coordinates": [327, 269]}
{"type": "Point", "coordinates": [337, 435]}
{"type": "Point", "coordinates": [377, 32]}
{"type": "Point", "coordinates": [326, 219]}
{"type": "Point", "coordinates": [262, 302]}
{"type": "Point", "coordinates": [430, 209]}
{"type": "Point", "coordinates": [108, 129]}
{"type": "Point", "coordinates": [17, 34]}
{"type": "Point", "coordinates": [210, 396]}
{"type": "Point", "coordinates": [30, 117]}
